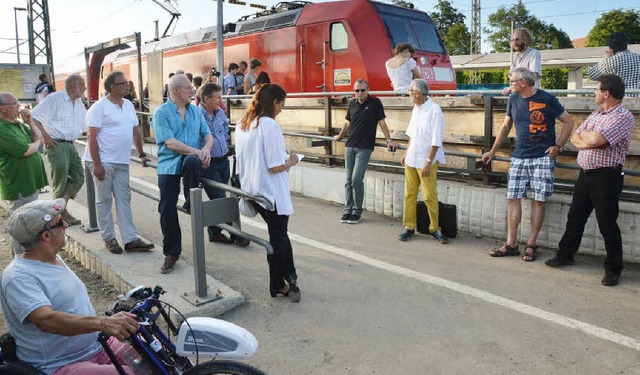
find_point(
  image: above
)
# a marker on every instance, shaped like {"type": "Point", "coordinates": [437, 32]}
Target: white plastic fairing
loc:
{"type": "Point", "coordinates": [215, 338]}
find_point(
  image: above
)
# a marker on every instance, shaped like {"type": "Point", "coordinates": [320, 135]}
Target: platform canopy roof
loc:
{"type": "Point", "coordinates": [552, 58]}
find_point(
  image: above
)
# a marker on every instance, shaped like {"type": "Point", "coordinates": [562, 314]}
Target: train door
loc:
{"type": "Point", "coordinates": [313, 55]}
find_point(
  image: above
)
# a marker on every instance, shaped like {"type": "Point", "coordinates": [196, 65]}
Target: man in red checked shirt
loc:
{"type": "Point", "coordinates": [603, 142]}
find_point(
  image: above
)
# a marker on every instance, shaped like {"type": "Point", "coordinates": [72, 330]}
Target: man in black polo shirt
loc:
{"type": "Point", "coordinates": [365, 113]}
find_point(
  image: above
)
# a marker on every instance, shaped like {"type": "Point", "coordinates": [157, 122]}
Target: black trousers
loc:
{"type": "Point", "coordinates": [597, 189]}
{"type": "Point", "coordinates": [281, 266]}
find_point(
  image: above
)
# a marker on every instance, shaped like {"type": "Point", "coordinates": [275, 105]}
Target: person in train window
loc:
{"type": "Point", "coordinates": [252, 75]}
{"type": "Point", "coordinates": [263, 165]}
{"type": "Point", "coordinates": [402, 68]}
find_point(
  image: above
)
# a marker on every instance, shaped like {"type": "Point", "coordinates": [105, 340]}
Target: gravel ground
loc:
{"type": "Point", "coordinates": [101, 293]}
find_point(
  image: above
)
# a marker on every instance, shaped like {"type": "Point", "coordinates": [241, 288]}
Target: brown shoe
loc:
{"type": "Point", "coordinates": [113, 246]}
{"type": "Point", "coordinates": [169, 263]}
{"type": "Point", "coordinates": [138, 245]}
{"type": "Point", "coordinates": [70, 219]}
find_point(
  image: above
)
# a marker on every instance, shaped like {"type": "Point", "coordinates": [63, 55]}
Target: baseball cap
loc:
{"type": "Point", "coordinates": [28, 221]}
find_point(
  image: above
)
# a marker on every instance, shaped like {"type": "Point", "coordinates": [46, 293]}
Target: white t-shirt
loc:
{"type": "Point", "coordinates": [42, 94]}
{"type": "Point", "coordinates": [257, 150]}
{"type": "Point", "coordinates": [529, 59]}
{"type": "Point", "coordinates": [61, 117]}
{"type": "Point", "coordinates": [116, 130]}
{"type": "Point", "coordinates": [425, 130]}
{"type": "Point", "coordinates": [402, 75]}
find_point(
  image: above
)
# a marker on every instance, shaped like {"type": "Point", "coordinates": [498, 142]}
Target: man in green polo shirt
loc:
{"type": "Point", "coordinates": [22, 172]}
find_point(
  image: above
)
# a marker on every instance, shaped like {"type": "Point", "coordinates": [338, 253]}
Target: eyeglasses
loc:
{"type": "Point", "coordinates": [121, 83]}
{"type": "Point", "coordinates": [14, 103]}
{"type": "Point", "coordinates": [360, 90]}
{"type": "Point", "coordinates": [516, 80]}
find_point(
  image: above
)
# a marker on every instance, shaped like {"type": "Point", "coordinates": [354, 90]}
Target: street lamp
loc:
{"type": "Point", "coordinates": [15, 14]}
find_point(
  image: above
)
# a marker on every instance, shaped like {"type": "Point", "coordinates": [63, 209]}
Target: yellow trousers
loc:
{"type": "Point", "coordinates": [412, 180]}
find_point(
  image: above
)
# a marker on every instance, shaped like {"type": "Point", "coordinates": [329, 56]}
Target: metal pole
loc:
{"type": "Point", "coordinates": [15, 16]}
{"type": "Point", "coordinates": [488, 132]}
{"type": "Point", "coordinates": [88, 81]}
{"type": "Point", "coordinates": [328, 146]}
{"type": "Point", "coordinates": [145, 129]}
{"type": "Point", "coordinates": [197, 234]}
{"type": "Point", "coordinates": [511, 45]}
{"type": "Point", "coordinates": [220, 43]}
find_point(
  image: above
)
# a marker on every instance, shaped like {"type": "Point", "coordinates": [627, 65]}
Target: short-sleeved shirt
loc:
{"type": "Point", "coordinates": [19, 175]}
{"type": "Point", "coordinates": [425, 130]}
{"type": "Point", "coordinates": [30, 284]}
{"type": "Point", "coordinates": [219, 126]}
{"type": "Point", "coordinates": [625, 64]}
{"type": "Point", "coordinates": [167, 123]}
{"type": "Point", "coordinates": [261, 148]}
{"type": "Point", "coordinates": [240, 82]}
{"type": "Point", "coordinates": [229, 82]}
{"type": "Point", "coordinates": [531, 60]}
{"type": "Point", "coordinates": [363, 119]}
{"type": "Point", "coordinates": [62, 117]}
{"type": "Point", "coordinates": [401, 76]}
{"type": "Point", "coordinates": [616, 126]}
{"type": "Point", "coordinates": [535, 122]}
{"type": "Point", "coordinates": [116, 124]}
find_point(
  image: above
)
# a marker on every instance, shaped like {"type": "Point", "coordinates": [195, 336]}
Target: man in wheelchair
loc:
{"type": "Point", "coordinates": [46, 306]}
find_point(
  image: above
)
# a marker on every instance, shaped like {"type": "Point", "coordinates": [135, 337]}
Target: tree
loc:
{"type": "Point", "coordinates": [627, 22]}
{"type": "Point", "coordinates": [450, 22]}
{"type": "Point", "coordinates": [546, 36]}
{"type": "Point", "coordinates": [457, 39]}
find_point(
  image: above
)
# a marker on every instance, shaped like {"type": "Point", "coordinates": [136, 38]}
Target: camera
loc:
{"type": "Point", "coordinates": [215, 72]}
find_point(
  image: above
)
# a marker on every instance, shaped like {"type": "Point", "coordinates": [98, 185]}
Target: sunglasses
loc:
{"type": "Point", "coordinates": [360, 90]}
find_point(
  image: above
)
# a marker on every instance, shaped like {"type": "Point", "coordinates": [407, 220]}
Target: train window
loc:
{"type": "Point", "coordinates": [429, 39]}
{"type": "Point", "coordinates": [400, 30]}
{"type": "Point", "coordinates": [339, 37]}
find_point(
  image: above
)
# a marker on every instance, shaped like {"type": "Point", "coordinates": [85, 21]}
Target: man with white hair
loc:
{"type": "Point", "coordinates": [184, 152]}
{"type": "Point", "coordinates": [424, 155]}
{"type": "Point", "coordinates": [61, 119]}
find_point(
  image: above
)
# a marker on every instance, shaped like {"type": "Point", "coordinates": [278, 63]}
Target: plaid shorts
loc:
{"type": "Point", "coordinates": [535, 174]}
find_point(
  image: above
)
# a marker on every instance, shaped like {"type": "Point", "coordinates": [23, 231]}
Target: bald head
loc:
{"type": "Point", "coordinates": [9, 110]}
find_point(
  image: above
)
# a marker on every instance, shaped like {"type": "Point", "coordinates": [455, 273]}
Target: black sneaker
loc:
{"type": "Point", "coordinates": [354, 219]}
{"type": "Point", "coordinates": [406, 234]}
{"type": "Point", "coordinates": [345, 218]}
{"type": "Point", "coordinates": [440, 237]}
{"type": "Point", "coordinates": [610, 279]}
{"type": "Point", "coordinates": [138, 245]}
{"type": "Point", "coordinates": [558, 261]}
{"type": "Point", "coordinates": [113, 246]}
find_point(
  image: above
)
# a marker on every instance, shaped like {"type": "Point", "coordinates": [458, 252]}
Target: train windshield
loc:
{"type": "Point", "coordinates": [410, 26]}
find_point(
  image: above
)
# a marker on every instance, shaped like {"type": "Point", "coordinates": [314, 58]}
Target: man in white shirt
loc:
{"type": "Point", "coordinates": [60, 118]}
{"type": "Point", "coordinates": [112, 128]}
{"type": "Point", "coordinates": [526, 56]}
{"type": "Point", "coordinates": [424, 155]}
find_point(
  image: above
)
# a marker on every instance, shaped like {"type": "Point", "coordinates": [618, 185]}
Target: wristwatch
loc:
{"type": "Point", "coordinates": [429, 160]}
{"type": "Point", "coordinates": [560, 148]}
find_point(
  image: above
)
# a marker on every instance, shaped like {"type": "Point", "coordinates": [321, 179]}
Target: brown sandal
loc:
{"type": "Point", "coordinates": [530, 256]}
{"type": "Point", "coordinates": [505, 251]}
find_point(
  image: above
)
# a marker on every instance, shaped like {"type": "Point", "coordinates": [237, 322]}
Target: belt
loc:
{"type": "Point", "coordinates": [219, 159]}
{"type": "Point", "coordinates": [61, 140]}
{"type": "Point", "coordinates": [603, 169]}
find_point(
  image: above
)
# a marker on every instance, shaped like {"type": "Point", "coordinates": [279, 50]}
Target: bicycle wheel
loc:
{"type": "Point", "coordinates": [224, 367]}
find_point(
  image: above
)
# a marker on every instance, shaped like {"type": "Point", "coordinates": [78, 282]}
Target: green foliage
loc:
{"type": "Point", "coordinates": [485, 76]}
{"type": "Point", "coordinates": [457, 39]}
{"type": "Point", "coordinates": [450, 22]}
{"type": "Point", "coordinates": [627, 22]}
{"type": "Point", "coordinates": [546, 36]}
{"type": "Point", "coordinates": [554, 78]}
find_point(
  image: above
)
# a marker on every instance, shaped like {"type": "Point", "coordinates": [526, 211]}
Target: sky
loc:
{"type": "Point", "coordinates": [76, 24]}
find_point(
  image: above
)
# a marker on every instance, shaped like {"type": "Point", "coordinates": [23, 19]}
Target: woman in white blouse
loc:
{"type": "Point", "coordinates": [402, 68]}
{"type": "Point", "coordinates": [263, 166]}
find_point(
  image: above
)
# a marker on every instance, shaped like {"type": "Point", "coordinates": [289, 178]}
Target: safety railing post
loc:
{"type": "Point", "coordinates": [328, 128]}
{"type": "Point", "coordinates": [197, 236]}
{"type": "Point", "coordinates": [91, 202]}
{"type": "Point", "coordinates": [488, 134]}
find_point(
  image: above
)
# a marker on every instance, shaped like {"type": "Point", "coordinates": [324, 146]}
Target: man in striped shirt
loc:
{"type": "Point", "coordinates": [603, 142]}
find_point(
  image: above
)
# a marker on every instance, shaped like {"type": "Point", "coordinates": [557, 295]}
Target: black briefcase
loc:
{"type": "Point", "coordinates": [448, 217]}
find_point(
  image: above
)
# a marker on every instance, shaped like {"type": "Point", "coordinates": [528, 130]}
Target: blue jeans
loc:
{"type": "Point", "coordinates": [355, 164]}
{"type": "Point", "coordinates": [218, 171]}
{"type": "Point", "coordinates": [169, 184]}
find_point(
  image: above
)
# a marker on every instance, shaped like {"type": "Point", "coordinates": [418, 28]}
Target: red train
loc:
{"type": "Point", "coordinates": [305, 47]}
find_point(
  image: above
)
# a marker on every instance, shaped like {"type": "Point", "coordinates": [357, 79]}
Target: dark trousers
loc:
{"type": "Point", "coordinates": [597, 189]}
{"type": "Point", "coordinates": [218, 171]}
{"type": "Point", "coordinates": [190, 173]}
{"type": "Point", "coordinates": [281, 265]}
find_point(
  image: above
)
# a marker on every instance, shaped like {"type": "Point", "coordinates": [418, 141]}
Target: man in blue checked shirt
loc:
{"type": "Point", "coordinates": [210, 96]}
